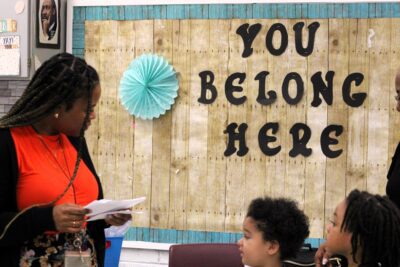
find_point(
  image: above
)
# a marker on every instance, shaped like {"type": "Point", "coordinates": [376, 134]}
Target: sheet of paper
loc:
{"type": "Point", "coordinates": [104, 214]}
{"type": "Point", "coordinates": [101, 208]}
{"type": "Point", "coordinates": [9, 55]}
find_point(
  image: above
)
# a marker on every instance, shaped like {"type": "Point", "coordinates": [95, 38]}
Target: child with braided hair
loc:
{"type": "Point", "coordinates": [46, 173]}
{"type": "Point", "coordinates": [366, 230]}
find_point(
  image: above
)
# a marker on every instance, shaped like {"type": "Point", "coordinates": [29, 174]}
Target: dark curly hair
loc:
{"type": "Point", "coordinates": [280, 220]}
{"type": "Point", "coordinates": [374, 222]}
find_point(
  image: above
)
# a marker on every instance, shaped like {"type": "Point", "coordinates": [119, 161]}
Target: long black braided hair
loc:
{"type": "Point", "coordinates": [61, 80]}
{"type": "Point", "coordinates": [374, 222]}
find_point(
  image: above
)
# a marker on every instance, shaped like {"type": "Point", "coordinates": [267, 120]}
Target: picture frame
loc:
{"type": "Point", "coordinates": [48, 25]}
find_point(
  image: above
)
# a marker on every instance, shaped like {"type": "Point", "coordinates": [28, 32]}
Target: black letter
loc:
{"type": "Point", "coordinates": [261, 98]}
{"type": "Point", "coordinates": [300, 88]}
{"type": "Point", "coordinates": [312, 28]}
{"type": "Point", "coordinates": [355, 100]}
{"type": "Point", "coordinates": [248, 35]}
{"type": "Point", "coordinates": [326, 141]}
{"type": "Point", "coordinates": [264, 139]}
{"type": "Point", "coordinates": [300, 145]}
{"type": "Point", "coordinates": [207, 85]}
{"type": "Point", "coordinates": [284, 39]}
{"type": "Point", "coordinates": [230, 88]}
{"type": "Point", "coordinates": [320, 87]}
{"type": "Point", "coordinates": [232, 137]}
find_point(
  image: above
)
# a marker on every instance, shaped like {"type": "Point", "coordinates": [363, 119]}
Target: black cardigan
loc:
{"type": "Point", "coordinates": [393, 184]}
{"type": "Point", "coordinates": [36, 220]}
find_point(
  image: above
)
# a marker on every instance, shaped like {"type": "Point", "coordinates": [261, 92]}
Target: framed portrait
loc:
{"type": "Point", "coordinates": [48, 25]}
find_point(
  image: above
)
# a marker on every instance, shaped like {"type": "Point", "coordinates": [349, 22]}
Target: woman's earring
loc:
{"type": "Point", "coordinates": [56, 115]}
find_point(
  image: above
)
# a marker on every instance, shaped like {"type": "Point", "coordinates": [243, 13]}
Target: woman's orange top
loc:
{"type": "Point", "coordinates": [46, 164]}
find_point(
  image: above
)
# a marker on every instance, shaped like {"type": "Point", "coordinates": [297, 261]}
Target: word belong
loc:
{"type": "Point", "coordinates": [325, 89]}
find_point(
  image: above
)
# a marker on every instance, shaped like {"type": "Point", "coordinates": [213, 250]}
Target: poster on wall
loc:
{"type": "Point", "coordinates": [48, 24]}
{"type": "Point", "coordinates": [271, 103]}
{"type": "Point", "coordinates": [9, 55]}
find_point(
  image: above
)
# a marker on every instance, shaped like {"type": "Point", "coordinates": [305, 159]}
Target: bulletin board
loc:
{"type": "Point", "coordinates": [331, 126]}
{"type": "Point", "coordinates": [8, 11]}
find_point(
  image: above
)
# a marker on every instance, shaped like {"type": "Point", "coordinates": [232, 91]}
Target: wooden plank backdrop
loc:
{"type": "Point", "coordinates": [177, 161]}
{"type": "Point", "coordinates": [217, 114]}
{"type": "Point", "coordinates": [337, 113]}
{"type": "Point", "coordinates": [315, 171]}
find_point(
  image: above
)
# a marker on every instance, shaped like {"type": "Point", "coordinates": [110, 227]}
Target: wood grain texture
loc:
{"type": "Point", "coordinates": [256, 176]}
{"type": "Point", "coordinates": [92, 40]}
{"type": "Point", "coordinates": [295, 166]}
{"type": "Point", "coordinates": [357, 117]}
{"type": "Point", "coordinates": [236, 166]}
{"type": "Point", "coordinates": [180, 127]}
{"type": "Point", "coordinates": [177, 161]}
{"type": "Point", "coordinates": [335, 172]}
{"type": "Point", "coordinates": [125, 122]}
{"type": "Point", "coordinates": [198, 121]}
{"type": "Point", "coordinates": [379, 103]}
{"type": "Point", "coordinates": [161, 160]}
{"type": "Point", "coordinates": [215, 204]}
{"type": "Point", "coordinates": [143, 139]}
{"type": "Point", "coordinates": [107, 106]}
{"type": "Point", "coordinates": [276, 113]}
{"type": "Point", "coordinates": [317, 120]}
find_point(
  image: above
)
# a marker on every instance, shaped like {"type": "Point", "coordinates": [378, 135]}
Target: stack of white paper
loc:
{"type": "Point", "coordinates": [99, 209]}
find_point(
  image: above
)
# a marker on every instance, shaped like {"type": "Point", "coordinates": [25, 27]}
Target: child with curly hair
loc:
{"type": "Point", "coordinates": [274, 230]}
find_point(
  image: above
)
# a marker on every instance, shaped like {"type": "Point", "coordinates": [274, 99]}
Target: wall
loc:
{"type": "Point", "coordinates": [10, 91]}
{"type": "Point", "coordinates": [11, 88]}
{"type": "Point", "coordinates": [7, 11]}
{"type": "Point", "coordinates": [39, 55]}
{"type": "Point", "coordinates": [195, 193]}
{"type": "Point", "coordinates": [143, 254]}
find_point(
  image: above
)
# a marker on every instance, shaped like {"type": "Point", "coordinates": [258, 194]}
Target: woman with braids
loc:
{"type": "Point", "coordinates": [366, 230]}
{"type": "Point", "coordinates": [46, 174]}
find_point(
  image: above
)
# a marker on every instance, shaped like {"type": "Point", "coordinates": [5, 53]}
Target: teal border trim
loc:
{"type": "Point", "coordinates": [180, 236]}
{"type": "Point", "coordinates": [217, 11]}
{"type": "Point", "coordinates": [226, 11]}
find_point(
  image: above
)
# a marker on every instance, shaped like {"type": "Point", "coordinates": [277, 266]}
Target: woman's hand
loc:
{"type": "Point", "coordinates": [68, 218]}
{"type": "Point", "coordinates": [322, 256]}
{"type": "Point", "coordinates": [118, 219]}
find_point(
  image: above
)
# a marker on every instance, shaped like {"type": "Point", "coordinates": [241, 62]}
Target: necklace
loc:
{"type": "Point", "coordinates": [78, 237]}
{"type": "Point", "coordinates": [66, 173]}
{"type": "Point", "coordinates": [48, 148]}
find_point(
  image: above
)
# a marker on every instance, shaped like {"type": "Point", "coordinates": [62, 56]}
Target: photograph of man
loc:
{"type": "Point", "coordinates": [48, 17]}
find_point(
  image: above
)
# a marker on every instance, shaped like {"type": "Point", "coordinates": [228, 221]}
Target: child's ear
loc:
{"type": "Point", "coordinates": [273, 247]}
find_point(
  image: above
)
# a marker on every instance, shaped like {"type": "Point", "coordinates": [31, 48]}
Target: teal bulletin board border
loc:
{"type": "Point", "coordinates": [217, 11]}
{"type": "Point", "coordinates": [173, 236]}
{"type": "Point", "coordinates": [225, 11]}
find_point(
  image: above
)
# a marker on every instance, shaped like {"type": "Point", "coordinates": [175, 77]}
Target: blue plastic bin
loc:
{"type": "Point", "coordinates": [113, 251]}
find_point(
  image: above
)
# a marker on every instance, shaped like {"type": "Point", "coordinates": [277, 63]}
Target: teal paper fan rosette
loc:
{"type": "Point", "coordinates": [148, 87]}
